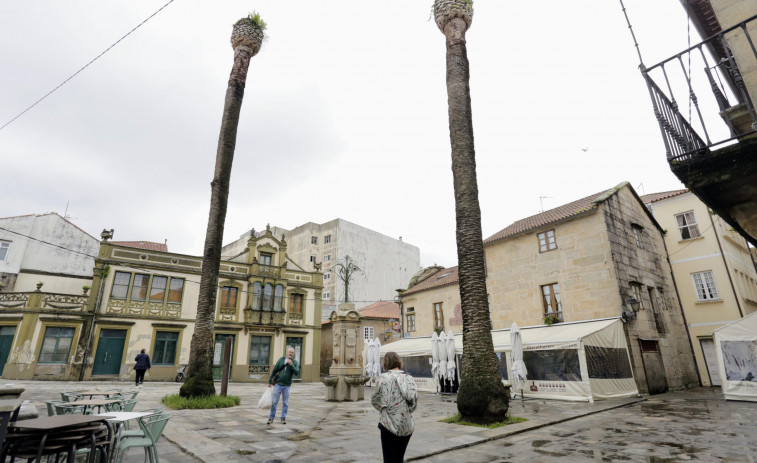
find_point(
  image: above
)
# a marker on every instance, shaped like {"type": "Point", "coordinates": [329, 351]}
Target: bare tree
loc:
{"type": "Point", "coordinates": [246, 40]}
{"type": "Point", "coordinates": [481, 397]}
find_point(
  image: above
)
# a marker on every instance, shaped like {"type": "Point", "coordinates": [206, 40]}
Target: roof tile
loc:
{"type": "Point", "coordinates": [443, 277]}
{"type": "Point", "coordinates": [146, 245]}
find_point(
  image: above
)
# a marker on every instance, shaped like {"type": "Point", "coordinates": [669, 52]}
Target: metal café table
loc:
{"type": "Point", "coordinates": [99, 403]}
{"type": "Point", "coordinates": [49, 425]}
{"type": "Point", "coordinates": [96, 393]}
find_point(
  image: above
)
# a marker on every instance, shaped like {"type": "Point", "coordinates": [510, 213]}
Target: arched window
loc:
{"type": "Point", "coordinates": [256, 290]}
{"type": "Point", "coordinates": [267, 296]}
{"type": "Point", "coordinates": [278, 298]}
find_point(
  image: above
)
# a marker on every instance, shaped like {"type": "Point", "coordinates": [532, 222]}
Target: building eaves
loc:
{"type": "Point", "coordinates": [654, 197]}
{"type": "Point", "coordinates": [441, 278]}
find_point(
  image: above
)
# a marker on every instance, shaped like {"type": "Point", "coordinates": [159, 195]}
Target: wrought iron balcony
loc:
{"type": "Point", "coordinates": [715, 64]}
{"type": "Point", "coordinates": [691, 92]}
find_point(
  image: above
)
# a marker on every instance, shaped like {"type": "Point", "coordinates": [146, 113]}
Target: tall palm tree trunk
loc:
{"type": "Point", "coordinates": [246, 39]}
{"type": "Point", "coordinates": [481, 397]}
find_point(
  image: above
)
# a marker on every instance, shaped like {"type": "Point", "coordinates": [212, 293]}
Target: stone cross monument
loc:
{"type": "Point", "coordinates": [345, 381]}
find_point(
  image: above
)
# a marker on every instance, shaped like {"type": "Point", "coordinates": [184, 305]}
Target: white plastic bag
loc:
{"type": "Point", "coordinates": [266, 401]}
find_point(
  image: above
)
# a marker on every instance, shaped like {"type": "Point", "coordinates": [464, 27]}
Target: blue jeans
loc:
{"type": "Point", "coordinates": [283, 391]}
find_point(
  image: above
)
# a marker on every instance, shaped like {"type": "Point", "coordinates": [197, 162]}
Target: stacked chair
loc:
{"type": "Point", "coordinates": [33, 445]}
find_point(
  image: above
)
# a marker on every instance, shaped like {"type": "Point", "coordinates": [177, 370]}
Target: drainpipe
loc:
{"type": "Point", "coordinates": [725, 263]}
{"type": "Point", "coordinates": [84, 357]}
{"type": "Point", "coordinates": [683, 312]}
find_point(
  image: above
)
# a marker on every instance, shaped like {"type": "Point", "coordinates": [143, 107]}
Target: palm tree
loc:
{"type": "Point", "coordinates": [246, 40]}
{"type": "Point", "coordinates": [481, 397]}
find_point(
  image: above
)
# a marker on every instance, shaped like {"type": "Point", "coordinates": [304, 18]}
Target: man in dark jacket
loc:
{"type": "Point", "coordinates": [281, 380]}
{"type": "Point", "coordinates": [142, 365]}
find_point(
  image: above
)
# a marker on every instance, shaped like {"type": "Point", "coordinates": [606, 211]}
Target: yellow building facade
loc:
{"type": "Point", "coordinates": [713, 269]}
{"type": "Point", "coordinates": [147, 299]}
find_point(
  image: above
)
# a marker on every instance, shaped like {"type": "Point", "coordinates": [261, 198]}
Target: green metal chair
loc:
{"type": "Point", "coordinates": [69, 409]}
{"type": "Point", "coordinates": [70, 396]}
{"type": "Point", "coordinates": [51, 406]}
{"type": "Point", "coordinates": [151, 427]}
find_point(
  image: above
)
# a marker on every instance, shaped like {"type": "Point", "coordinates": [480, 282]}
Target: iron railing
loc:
{"type": "Point", "coordinates": [689, 137]}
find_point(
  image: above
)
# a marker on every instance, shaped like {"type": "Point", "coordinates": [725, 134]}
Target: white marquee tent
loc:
{"type": "Point", "coordinates": [577, 361]}
{"type": "Point", "coordinates": [736, 351]}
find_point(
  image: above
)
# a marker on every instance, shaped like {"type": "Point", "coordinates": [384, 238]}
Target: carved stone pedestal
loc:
{"type": "Point", "coordinates": [346, 381]}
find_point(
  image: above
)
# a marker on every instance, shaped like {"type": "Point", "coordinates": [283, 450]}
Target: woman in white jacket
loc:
{"type": "Point", "coordinates": [395, 397]}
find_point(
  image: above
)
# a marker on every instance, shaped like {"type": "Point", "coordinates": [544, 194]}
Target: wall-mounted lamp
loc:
{"type": "Point", "coordinates": [634, 305]}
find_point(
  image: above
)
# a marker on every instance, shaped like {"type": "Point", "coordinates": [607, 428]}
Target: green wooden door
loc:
{"type": "Point", "coordinates": [6, 341]}
{"type": "Point", "coordinates": [220, 345]}
{"type": "Point", "coordinates": [109, 355]}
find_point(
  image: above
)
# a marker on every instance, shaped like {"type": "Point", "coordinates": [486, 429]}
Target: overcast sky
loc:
{"type": "Point", "coordinates": [344, 114]}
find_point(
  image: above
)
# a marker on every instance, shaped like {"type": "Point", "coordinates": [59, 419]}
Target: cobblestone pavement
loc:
{"type": "Point", "coordinates": [696, 425]}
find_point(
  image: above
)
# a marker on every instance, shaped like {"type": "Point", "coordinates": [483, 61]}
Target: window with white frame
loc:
{"type": "Point", "coordinates": [368, 333]}
{"type": "Point", "coordinates": [5, 246]}
{"type": "Point", "coordinates": [547, 241]}
{"type": "Point", "coordinates": [313, 240]}
{"type": "Point", "coordinates": [327, 258]}
{"type": "Point", "coordinates": [312, 258]}
{"type": "Point", "coordinates": [327, 239]}
{"type": "Point", "coordinates": [327, 276]}
{"type": "Point", "coordinates": [704, 284]}
{"type": "Point", "coordinates": [687, 225]}
{"type": "Point", "coordinates": [326, 295]}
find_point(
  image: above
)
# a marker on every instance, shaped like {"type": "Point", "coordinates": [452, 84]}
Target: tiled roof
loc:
{"type": "Point", "coordinates": [381, 309]}
{"type": "Point", "coordinates": [147, 245]}
{"type": "Point", "coordinates": [576, 208]}
{"type": "Point", "coordinates": [443, 277]}
{"type": "Point", "coordinates": [654, 197]}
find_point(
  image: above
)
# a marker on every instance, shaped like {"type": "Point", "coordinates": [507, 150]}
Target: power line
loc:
{"type": "Point", "coordinates": [85, 66]}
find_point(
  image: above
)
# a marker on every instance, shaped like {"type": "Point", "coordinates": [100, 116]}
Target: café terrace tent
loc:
{"type": "Point", "coordinates": [579, 361]}
{"type": "Point", "coordinates": [736, 351]}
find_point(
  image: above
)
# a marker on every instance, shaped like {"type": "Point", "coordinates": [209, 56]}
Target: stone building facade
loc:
{"type": "Point", "coordinates": [597, 257]}
{"type": "Point", "coordinates": [379, 320]}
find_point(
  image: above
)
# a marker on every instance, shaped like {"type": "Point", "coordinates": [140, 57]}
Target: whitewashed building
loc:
{"type": "Point", "coordinates": [386, 263]}
{"type": "Point", "coordinates": [48, 249]}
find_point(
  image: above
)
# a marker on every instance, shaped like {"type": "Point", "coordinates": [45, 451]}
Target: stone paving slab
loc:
{"type": "Point", "coordinates": [317, 430]}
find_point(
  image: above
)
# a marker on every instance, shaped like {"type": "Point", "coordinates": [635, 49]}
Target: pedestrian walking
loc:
{"type": "Point", "coordinates": [281, 380]}
{"type": "Point", "coordinates": [395, 397]}
{"type": "Point", "coordinates": [142, 366]}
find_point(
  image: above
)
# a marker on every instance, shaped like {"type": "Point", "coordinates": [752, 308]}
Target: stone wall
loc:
{"type": "Point", "coordinates": [660, 318]}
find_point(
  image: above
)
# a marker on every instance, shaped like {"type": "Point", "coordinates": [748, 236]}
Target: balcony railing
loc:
{"type": "Point", "coordinates": [43, 301]}
{"type": "Point", "coordinates": [268, 317]}
{"type": "Point", "coordinates": [708, 64]}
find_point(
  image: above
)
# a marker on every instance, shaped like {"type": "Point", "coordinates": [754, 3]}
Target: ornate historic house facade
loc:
{"type": "Point", "coordinates": [146, 298]}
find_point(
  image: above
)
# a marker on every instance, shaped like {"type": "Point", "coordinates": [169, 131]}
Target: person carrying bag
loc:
{"type": "Point", "coordinates": [280, 381]}
{"type": "Point", "coordinates": [396, 398]}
